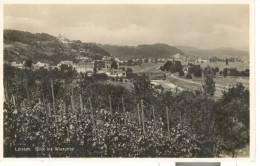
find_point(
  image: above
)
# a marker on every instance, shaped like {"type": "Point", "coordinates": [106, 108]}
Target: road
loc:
{"type": "Point", "coordinates": [197, 85]}
{"type": "Point", "coordinates": [218, 86]}
{"type": "Point", "coordinates": [173, 79]}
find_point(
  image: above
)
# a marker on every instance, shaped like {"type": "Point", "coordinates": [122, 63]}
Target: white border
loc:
{"type": "Point", "coordinates": [156, 160]}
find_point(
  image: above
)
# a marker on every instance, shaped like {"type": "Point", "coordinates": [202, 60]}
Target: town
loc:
{"type": "Point", "coordinates": [161, 71]}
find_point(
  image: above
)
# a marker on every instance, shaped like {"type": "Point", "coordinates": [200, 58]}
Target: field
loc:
{"type": "Point", "coordinates": [195, 83]}
{"type": "Point", "coordinates": [147, 67]}
{"type": "Point", "coordinates": [222, 65]}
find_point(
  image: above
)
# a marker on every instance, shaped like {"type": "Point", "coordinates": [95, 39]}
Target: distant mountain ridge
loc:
{"type": "Point", "coordinates": [225, 52]}
{"type": "Point", "coordinates": [157, 50]}
{"type": "Point", "coordinates": [20, 45]}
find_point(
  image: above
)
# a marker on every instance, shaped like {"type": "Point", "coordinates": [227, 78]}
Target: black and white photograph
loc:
{"type": "Point", "coordinates": [196, 164]}
{"type": "Point", "coordinates": [127, 81]}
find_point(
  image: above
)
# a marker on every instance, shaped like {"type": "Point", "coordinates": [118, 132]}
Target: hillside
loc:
{"type": "Point", "coordinates": [20, 45]}
{"type": "Point", "coordinates": [141, 51]}
{"type": "Point", "coordinates": [166, 51]}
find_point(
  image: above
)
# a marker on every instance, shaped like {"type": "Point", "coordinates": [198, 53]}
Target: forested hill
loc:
{"type": "Point", "coordinates": [166, 51]}
{"type": "Point", "coordinates": [142, 51]}
{"type": "Point", "coordinates": [20, 45]}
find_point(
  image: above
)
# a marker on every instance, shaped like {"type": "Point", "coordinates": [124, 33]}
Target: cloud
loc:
{"type": "Point", "coordinates": [22, 23]}
{"type": "Point", "coordinates": [207, 26]}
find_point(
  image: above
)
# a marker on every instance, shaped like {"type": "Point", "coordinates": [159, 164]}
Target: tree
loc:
{"type": "Point", "coordinates": [197, 70]}
{"type": "Point", "coordinates": [129, 62]}
{"type": "Point", "coordinates": [188, 76]}
{"type": "Point", "coordinates": [114, 64]}
{"type": "Point", "coordinates": [66, 72]}
{"type": "Point", "coordinates": [225, 72]}
{"type": "Point", "coordinates": [28, 63]}
{"type": "Point", "coordinates": [142, 86]}
{"type": "Point", "coordinates": [209, 84]}
{"type": "Point", "coordinates": [100, 77]}
{"type": "Point", "coordinates": [129, 72]}
{"type": "Point", "coordinates": [233, 119]}
{"type": "Point", "coordinates": [155, 60]}
{"type": "Point", "coordinates": [216, 69]}
{"type": "Point", "coordinates": [181, 73]}
{"type": "Point", "coordinates": [166, 66]}
{"type": "Point", "coordinates": [227, 61]}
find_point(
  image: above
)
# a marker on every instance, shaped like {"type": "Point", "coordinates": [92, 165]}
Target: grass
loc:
{"type": "Point", "coordinates": [221, 82]}
{"type": "Point", "coordinates": [222, 65]}
{"type": "Point", "coordinates": [147, 67]}
{"type": "Point", "coordinates": [226, 81]}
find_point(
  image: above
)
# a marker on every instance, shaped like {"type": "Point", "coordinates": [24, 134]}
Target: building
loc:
{"type": "Point", "coordinates": [82, 58]}
{"type": "Point", "coordinates": [200, 61]}
{"type": "Point", "coordinates": [69, 63]}
{"type": "Point", "coordinates": [84, 67]}
{"type": "Point", "coordinates": [39, 65]}
{"type": "Point", "coordinates": [117, 73]}
{"type": "Point", "coordinates": [17, 65]}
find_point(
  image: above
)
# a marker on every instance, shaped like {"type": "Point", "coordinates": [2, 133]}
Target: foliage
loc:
{"type": "Point", "coordinates": [195, 70]}
{"type": "Point", "coordinates": [233, 117]}
{"type": "Point", "coordinates": [98, 119]}
{"type": "Point", "coordinates": [46, 48]}
{"type": "Point", "coordinates": [172, 66]}
{"type": "Point", "coordinates": [142, 51]}
{"type": "Point", "coordinates": [235, 72]}
{"type": "Point", "coordinates": [209, 84]}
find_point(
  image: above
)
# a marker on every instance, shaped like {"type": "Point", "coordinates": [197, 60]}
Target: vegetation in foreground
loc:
{"type": "Point", "coordinates": [48, 114]}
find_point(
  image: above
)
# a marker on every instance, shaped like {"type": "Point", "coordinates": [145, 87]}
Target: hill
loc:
{"type": "Point", "coordinates": [20, 45]}
{"type": "Point", "coordinates": [166, 51]}
{"type": "Point", "coordinates": [142, 51]}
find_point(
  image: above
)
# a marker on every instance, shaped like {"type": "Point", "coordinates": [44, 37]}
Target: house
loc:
{"type": "Point", "coordinates": [200, 60]}
{"type": "Point", "coordinates": [192, 69]}
{"type": "Point", "coordinates": [69, 63]}
{"type": "Point", "coordinates": [106, 58]}
{"type": "Point", "coordinates": [82, 58]}
{"type": "Point", "coordinates": [170, 59]}
{"type": "Point", "coordinates": [63, 39]}
{"type": "Point", "coordinates": [52, 67]}
{"type": "Point", "coordinates": [84, 67]}
{"type": "Point", "coordinates": [39, 65]}
{"type": "Point", "coordinates": [136, 60]}
{"type": "Point", "coordinates": [99, 66]}
{"type": "Point", "coordinates": [163, 60]}
{"type": "Point", "coordinates": [17, 65]}
{"type": "Point", "coordinates": [117, 60]}
{"type": "Point", "coordinates": [179, 57]}
{"type": "Point", "coordinates": [117, 73]}
{"type": "Point", "coordinates": [7, 63]}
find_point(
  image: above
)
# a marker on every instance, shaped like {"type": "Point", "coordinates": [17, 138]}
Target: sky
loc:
{"type": "Point", "coordinates": [202, 26]}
